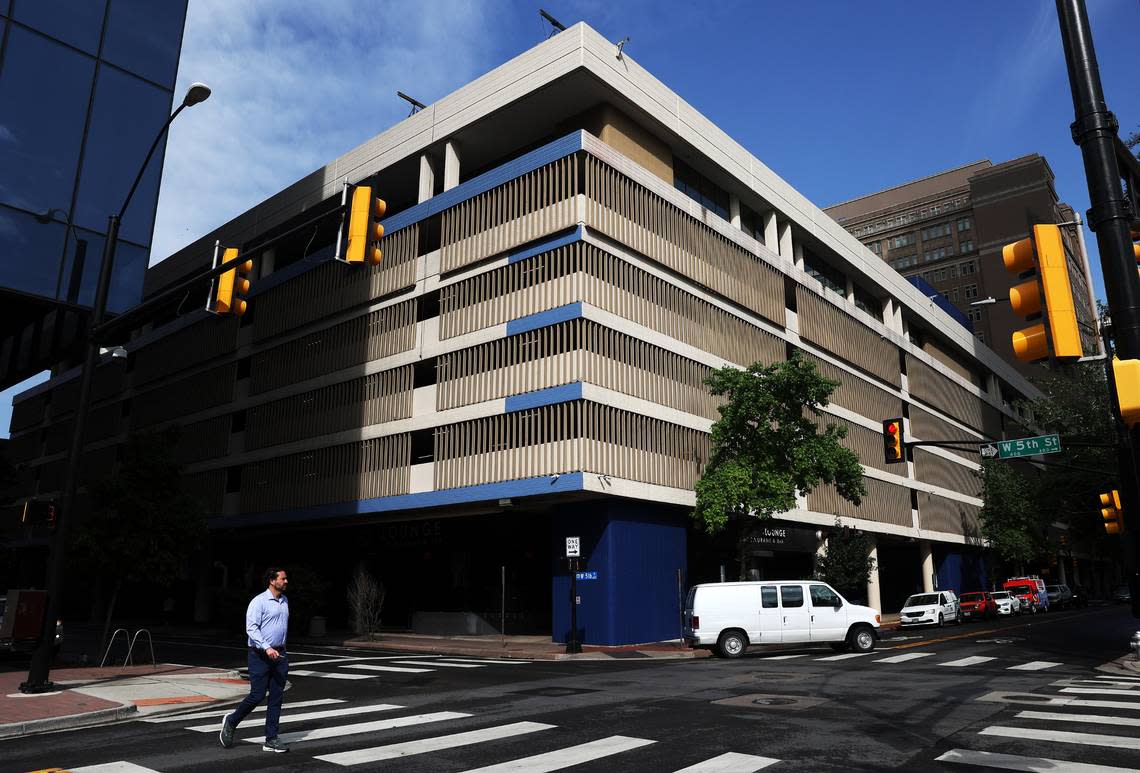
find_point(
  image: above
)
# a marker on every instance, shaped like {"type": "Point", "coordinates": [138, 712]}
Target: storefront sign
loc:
{"type": "Point", "coordinates": [760, 539]}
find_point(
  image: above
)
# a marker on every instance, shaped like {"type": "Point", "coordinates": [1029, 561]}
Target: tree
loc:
{"type": "Point", "coordinates": [847, 564]}
{"type": "Point", "coordinates": [142, 525]}
{"type": "Point", "coordinates": [767, 444]}
{"type": "Point", "coordinates": [1012, 520]}
{"type": "Point", "coordinates": [1133, 142]}
{"type": "Point", "coordinates": [365, 603]}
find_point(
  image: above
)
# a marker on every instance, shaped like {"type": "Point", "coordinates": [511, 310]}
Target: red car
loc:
{"type": "Point", "coordinates": [979, 605]}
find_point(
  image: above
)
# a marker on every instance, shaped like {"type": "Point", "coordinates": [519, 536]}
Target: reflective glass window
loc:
{"type": "Point", "coordinates": [768, 597]}
{"type": "Point", "coordinates": [76, 22]}
{"type": "Point", "coordinates": [791, 596]}
{"type": "Point", "coordinates": [39, 149]}
{"type": "Point", "coordinates": [823, 596]}
{"type": "Point", "coordinates": [86, 247]}
{"type": "Point", "coordinates": [145, 37]}
{"type": "Point", "coordinates": [29, 253]}
{"type": "Point", "coordinates": [127, 114]}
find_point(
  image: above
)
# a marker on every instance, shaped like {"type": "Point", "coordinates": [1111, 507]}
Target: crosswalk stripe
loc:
{"type": "Point", "coordinates": [122, 766]}
{"type": "Point", "coordinates": [1098, 691]}
{"type": "Point", "coordinates": [845, 656]}
{"type": "Point", "coordinates": [1094, 683]}
{"type": "Point", "coordinates": [399, 669]}
{"type": "Point", "coordinates": [438, 663]}
{"type": "Point", "coordinates": [1097, 704]}
{"type": "Point", "coordinates": [326, 714]}
{"type": "Point", "coordinates": [498, 662]}
{"type": "Point", "coordinates": [1034, 665]}
{"type": "Point", "coordinates": [330, 674]}
{"type": "Point", "coordinates": [1096, 719]}
{"type": "Point", "coordinates": [1026, 764]}
{"type": "Point", "coordinates": [362, 727]}
{"type": "Point", "coordinates": [1086, 739]}
{"type": "Point", "coordinates": [784, 657]}
{"type": "Point", "coordinates": [407, 749]}
{"type": "Point", "coordinates": [731, 762]}
{"type": "Point", "coordinates": [222, 712]}
{"type": "Point", "coordinates": [904, 657]}
{"type": "Point", "coordinates": [971, 661]}
{"type": "Point", "coordinates": [1125, 678]}
{"type": "Point", "coordinates": [346, 658]}
{"type": "Point", "coordinates": [565, 758]}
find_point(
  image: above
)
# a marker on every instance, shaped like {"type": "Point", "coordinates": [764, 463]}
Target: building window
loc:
{"type": "Point", "coordinates": [965, 224]}
{"type": "Point", "coordinates": [831, 278]}
{"type": "Point", "coordinates": [970, 291]}
{"type": "Point", "coordinates": [936, 231]}
{"type": "Point", "coordinates": [978, 334]}
{"type": "Point", "coordinates": [700, 189]}
{"type": "Point", "coordinates": [974, 315]}
{"type": "Point", "coordinates": [937, 254]}
{"type": "Point", "coordinates": [752, 224]}
{"type": "Point", "coordinates": [966, 246]}
{"type": "Point", "coordinates": [868, 303]}
{"type": "Point", "coordinates": [902, 241]}
{"type": "Point", "coordinates": [969, 267]}
{"type": "Point", "coordinates": [954, 272]}
{"type": "Point", "coordinates": [954, 295]}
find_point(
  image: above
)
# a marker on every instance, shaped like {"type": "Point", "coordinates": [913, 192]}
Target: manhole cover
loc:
{"type": "Point", "coordinates": [1023, 697]}
{"type": "Point", "coordinates": [773, 702]}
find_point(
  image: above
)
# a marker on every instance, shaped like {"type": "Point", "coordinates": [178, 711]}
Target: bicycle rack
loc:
{"type": "Point", "coordinates": [150, 643]}
{"type": "Point", "coordinates": [126, 636]}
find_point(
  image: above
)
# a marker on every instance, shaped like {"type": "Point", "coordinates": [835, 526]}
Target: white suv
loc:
{"type": "Point", "coordinates": [934, 608]}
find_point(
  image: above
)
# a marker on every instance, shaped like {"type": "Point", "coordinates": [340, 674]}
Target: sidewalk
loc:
{"type": "Point", "coordinates": [91, 696]}
{"type": "Point", "coordinates": [530, 647]}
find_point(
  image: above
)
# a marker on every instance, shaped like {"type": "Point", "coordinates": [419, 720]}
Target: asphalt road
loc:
{"type": "Point", "coordinates": [931, 700]}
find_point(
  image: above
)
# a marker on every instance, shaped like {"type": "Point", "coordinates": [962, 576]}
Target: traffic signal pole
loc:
{"type": "Point", "coordinates": [1110, 216]}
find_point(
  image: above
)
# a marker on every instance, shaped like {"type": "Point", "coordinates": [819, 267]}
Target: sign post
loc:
{"type": "Point", "coordinates": [573, 552]}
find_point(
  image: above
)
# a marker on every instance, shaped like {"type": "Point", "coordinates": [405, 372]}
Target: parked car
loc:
{"type": "Point", "coordinates": [1060, 596]}
{"type": "Point", "coordinates": [1080, 596]}
{"type": "Point", "coordinates": [977, 605]}
{"type": "Point", "coordinates": [1030, 591]}
{"type": "Point", "coordinates": [731, 616]}
{"type": "Point", "coordinates": [935, 608]}
{"type": "Point", "coordinates": [21, 621]}
{"type": "Point", "coordinates": [1005, 603]}
{"type": "Point", "coordinates": [1121, 594]}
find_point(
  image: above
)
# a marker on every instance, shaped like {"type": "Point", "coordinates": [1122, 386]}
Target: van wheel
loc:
{"type": "Point", "coordinates": [731, 644]}
{"type": "Point", "coordinates": [861, 639]}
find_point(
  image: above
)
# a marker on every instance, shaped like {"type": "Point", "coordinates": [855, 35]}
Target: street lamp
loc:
{"type": "Point", "coordinates": [41, 659]}
{"type": "Point", "coordinates": [987, 301]}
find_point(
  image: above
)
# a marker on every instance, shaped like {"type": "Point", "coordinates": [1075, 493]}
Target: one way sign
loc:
{"type": "Point", "coordinates": [988, 450]}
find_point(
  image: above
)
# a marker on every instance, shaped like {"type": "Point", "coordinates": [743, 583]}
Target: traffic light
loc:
{"type": "Point", "coordinates": [39, 511]}
{"type": "Point", "coordinates": [1045, 295]}
{"type": "Point", "coordinates": [233, 286]}
{"type": "Point", "coordinates": [364, 228]}
{"type": "Point", "coordinates": [1111, 512]}
{"type": "Point", "coordinates": [893, 441]}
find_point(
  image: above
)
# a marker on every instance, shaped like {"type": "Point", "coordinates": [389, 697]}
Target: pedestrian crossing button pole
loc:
{"type": "Point", "coordinates": [573, 553]}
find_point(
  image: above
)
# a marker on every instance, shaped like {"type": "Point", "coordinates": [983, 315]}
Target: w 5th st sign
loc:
{"type": "Point", "coordinates": [1028, 446]}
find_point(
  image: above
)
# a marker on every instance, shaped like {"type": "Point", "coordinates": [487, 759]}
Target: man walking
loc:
{"type": "Point", "coordinates": [266, 623]}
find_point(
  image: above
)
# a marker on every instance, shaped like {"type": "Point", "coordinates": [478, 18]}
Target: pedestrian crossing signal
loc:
{"type": "Point", "coordinates": [893, 441]}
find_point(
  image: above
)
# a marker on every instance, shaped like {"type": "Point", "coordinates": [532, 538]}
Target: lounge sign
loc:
{"type": "Point", "coordinates": [784, 538]}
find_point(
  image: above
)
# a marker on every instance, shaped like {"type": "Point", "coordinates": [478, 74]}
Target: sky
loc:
{"type": "Point", "coordinates": [838, 98]}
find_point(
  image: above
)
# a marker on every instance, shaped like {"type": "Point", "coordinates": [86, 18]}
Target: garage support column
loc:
{"type": "Point", "coordinates": [926, 551]}
{"type": "Point", "coordinates": [427, 178]}
{"type": "Point", "coordinates": [450, 166]}
{"type": "Point", "coordinates": [874, 599]}
{"type": "Point", "coordinates": [734, 211]}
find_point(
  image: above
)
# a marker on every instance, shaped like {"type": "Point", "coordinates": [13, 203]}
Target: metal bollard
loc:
{"type": "Point", "coordinates": [1136, 645]}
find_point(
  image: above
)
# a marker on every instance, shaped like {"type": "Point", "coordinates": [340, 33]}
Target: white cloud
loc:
{"type": "Point", "coordinates": [296, 84]}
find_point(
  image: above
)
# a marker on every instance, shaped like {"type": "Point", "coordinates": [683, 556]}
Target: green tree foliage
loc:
{"type": "Point", "coordinates": [767, 444]}
{"type": "Point", "coordinates": [846, 565]}
{"type": "Point", "coordinates": [1133, 142]}
{"type": "Point", "coordinates": [1012, 519]}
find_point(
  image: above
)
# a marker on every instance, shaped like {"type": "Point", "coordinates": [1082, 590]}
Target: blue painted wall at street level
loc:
{"type": "Point", "coordinates": [637, 550]}
{"type": "Point", "coordinates": [961, 569]}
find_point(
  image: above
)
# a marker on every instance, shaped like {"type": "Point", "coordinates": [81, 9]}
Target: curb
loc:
{"type": "Point", "coordinates": [48, 724]}
{"type": "Point", "coordinates": [507, 654]}
{"type": "Point", "coordinates": [1125, 665]}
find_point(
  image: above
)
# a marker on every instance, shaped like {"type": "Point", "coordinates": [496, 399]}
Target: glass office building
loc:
{"type": "Point", "coordinates": [84, 87]}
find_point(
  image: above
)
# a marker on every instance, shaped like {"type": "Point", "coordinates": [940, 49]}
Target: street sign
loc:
{"type": "Point", "coordinates": [988, 451]}
{"type": "Point", "coordinates": [587, 575]}
{"type": "Point", "coordinates": [573, 547]}
{"type": "Point", "coordinates": [1029, 446]}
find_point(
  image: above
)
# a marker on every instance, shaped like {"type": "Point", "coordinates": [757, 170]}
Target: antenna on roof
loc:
{"type": "Point", "coordinates": [416, 104]}
{"type": "Point", "coordinates": [557, 25]}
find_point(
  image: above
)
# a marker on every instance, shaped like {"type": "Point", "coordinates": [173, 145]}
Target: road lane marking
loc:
{"type": "Point", "coordinates": [846, 656]}
{"type": "Point", "coordinates": [992, 630]}
{"type": "Point", "coordinates": [1096, 704]}
{"type": "Point", "coordinates": [438, 663]}
{"type": "Point", "coordinates": [970, 661]}
{"type": "Point", "coordinates": [1121, 678]}
{"type": "Point", "coordinates": [409, 748]}
{"type": "Point", "coordinates": [330, 674]}
{"type": "Point", "coordinates": [904, 657]}
{"type": "Point", "coordinates": [192, 717]}
{"type": "Point", "coordinates": [122, 766]}
{"type": "Point", "coordinates": [1084, 739]}
{"type": "Point", "coordinates": [346, 659]}
{"type": "Point", "coordinates": [397, 669]}
{"type": "Point", "coordinates": [497, 662]}
{"type": "Point", "coordinates": [326, 714]}
{"type": "Point", "coordinates": [784, 657]}
{"type": "Point", "coordinates": [731, 762]}
{"type": "Point", "coordinates": [1098, 691]}
{"type": "Point", "coordinates": [362, 727]}
{"type": "Point", "coordinates": [565, 758]}
{"type": "Point", "coordinates": [1035, 665]}
{"type": "Point", "coordinates": [1025, 764]}
{"type": "Point", "coordinates": [1096, 719]}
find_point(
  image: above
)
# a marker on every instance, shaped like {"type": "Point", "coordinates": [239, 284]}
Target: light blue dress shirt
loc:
{"type": "Point", "coordinates": [267, 621]}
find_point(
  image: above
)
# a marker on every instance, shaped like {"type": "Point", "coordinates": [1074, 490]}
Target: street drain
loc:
{"type": "Point", "coordinates": [771, 702]}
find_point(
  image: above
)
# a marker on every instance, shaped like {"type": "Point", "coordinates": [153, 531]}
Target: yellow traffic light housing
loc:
{"type": "Point", "coordinates": [1047, 292]}
{"type": "Point", "coordinates": [364, 228]}
{"type": "Point", "coordinates": [1111, 512]}
{"type": "Point", "coordinates": [893, 441]}
{"type": "Point", "coordinates": [233, 286]}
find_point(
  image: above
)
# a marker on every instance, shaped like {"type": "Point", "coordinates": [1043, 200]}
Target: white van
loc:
{"type": "Point", "coordinates": [733, 615]}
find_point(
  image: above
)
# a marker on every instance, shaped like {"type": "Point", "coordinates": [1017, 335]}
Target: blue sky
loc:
{"type": "Point", "coordinates": [838, 98]}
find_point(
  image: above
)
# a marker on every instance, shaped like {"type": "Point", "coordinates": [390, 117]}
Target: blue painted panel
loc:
{"type": "Point", "coordinates": [636, 550]}
{"type": "Point", "coordinates": [572, 481]}
{"type": "Point", "coordinates": [546, 245]}
{"type": "Point", "coordinates": [544, 318]}
{"type": "Point", "coordinates": [558, 394]}
{"type": "Point", "coordinates": [961, 570]}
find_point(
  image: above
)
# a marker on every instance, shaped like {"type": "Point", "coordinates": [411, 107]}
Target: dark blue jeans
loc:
{"type": "Point", "coordinates": [264, 674]}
